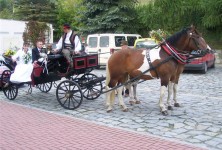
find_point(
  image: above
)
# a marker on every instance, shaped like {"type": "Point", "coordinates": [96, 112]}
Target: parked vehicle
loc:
{"type": "Point", "coordinates": [145, 43]}
{"type": "Point", "coordinates": [202, 63]}
{"type": "Point", "coordinates": [106, 44]}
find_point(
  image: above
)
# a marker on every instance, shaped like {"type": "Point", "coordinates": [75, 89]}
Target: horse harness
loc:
{"type": "Point", "coordinates": [150, 63]}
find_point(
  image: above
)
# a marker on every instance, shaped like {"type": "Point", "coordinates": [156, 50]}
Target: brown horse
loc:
{"type": "Point", "coordinates": [166, 62]}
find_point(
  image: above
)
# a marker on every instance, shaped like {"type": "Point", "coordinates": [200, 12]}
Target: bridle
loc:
{"type": "Point", "coordinates": [194, 37]}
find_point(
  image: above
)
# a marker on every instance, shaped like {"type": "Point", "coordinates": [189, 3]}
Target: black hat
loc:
{"type": "Point", "coordinates": [66, 26]}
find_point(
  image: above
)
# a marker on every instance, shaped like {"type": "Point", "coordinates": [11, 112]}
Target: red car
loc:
{"type": "Point", "coordinates": [202, 63]}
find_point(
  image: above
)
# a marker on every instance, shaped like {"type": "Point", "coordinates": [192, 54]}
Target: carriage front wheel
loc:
{"type": "Point", "coordinates": [69, 94]}
{"type": "Point", "coordinates": [91, 86]}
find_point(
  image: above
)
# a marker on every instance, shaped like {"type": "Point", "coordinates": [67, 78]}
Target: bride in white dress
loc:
{"type": "Point", "coordinates": [24, 67]}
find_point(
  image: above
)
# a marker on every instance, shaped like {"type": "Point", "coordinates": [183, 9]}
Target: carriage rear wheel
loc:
{"type": "Point", "coordinates": [91, 88]}
{"type": "Point", "coordinates": [45, 87]}
{"type": "Point", "coordinates": [9, 90]}
{"type": "Point", "coordinates": [69, 94]}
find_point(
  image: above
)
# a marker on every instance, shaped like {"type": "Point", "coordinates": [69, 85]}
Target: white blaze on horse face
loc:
{"type": "Point", "coordinates": [154, 55]}
{"type": "Point", "coordinates": [208, 47]}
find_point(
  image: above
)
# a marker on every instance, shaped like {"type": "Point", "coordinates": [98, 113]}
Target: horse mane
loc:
{"type": "Point", "coordinates": [175, 37]}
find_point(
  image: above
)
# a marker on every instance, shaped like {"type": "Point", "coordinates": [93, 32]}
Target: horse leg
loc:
{"type": "Point", "coordinates": [131, 101]}
{"type": "Point", "coordinates": [161, 104]}
{"type": "Point", "coordinates": [134, 92]}
{"type": "Point", "coordinates": [120, 97]}
{"type": "Point", "coordinates": [110, 100]}
{"type": "Point", "coordinates": [176, 104]}
{"type": "Point", "coordinates": [170, 91]}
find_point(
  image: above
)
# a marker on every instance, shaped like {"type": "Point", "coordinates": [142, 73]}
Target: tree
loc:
{"type": "Point", "coordinates": [36, 10]}
{"type": "Point", "coordinates": [102, 16]}
{"type": "Point", "coordinates": [67, 13]}
{"type": "Point", "coordinates": [6, 9]}
{"type": "Point", "coordinates": [212, 13]}
{"type": "Point", "coordinates": [35, 31]}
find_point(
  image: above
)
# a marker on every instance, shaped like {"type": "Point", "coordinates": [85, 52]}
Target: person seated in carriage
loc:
{"type": "Point", "coordinates": [69, 44]}
{"type": "Point", "coordinates": [24, 67]}
{"type": "Point", "coordinates": [38, 53]}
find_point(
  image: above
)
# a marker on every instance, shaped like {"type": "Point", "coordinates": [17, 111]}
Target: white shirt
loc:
{"type": "Point", "coordinates": [77, 42]}
{"type": "Point", "coordinates": [19, 57]}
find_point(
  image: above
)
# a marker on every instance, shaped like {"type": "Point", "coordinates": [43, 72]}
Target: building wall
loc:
{"type": "Point", "coordinates": [11, 32]}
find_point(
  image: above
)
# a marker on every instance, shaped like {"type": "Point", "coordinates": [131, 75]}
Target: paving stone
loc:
{"type": "Point", "coordinates": [214, 129]}
{"type": "Point", "coordinates": [191, 140]}
{"type": "Point", "coordinates": [179, 131]}
{"type": "Point", "coordinates": [141, 129]}
{"type": "Point", "coordinates": [178, 125]}
{"type": "Point", "coordinates": [219, 146]}
{"type": "Point", "coordinates": [170, 134]}
{"type": "Point", "coordinates": [212, 142]}
{"type": "Point", "coordinates": [201, 127]}
{"type": "Point", "coordinates": [202, 137]}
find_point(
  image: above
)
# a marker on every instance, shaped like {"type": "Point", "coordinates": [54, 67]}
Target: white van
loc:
{"type": "Point", "coordinates": [106, 44]}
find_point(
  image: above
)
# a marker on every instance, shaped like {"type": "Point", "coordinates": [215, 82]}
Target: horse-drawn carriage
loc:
{"type": "Point", "coordinates": [166, 62]}
{"type": "Point", "coordinates": [79, 83]}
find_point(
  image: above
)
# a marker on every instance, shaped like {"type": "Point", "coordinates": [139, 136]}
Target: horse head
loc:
{"type": "Point", "coordinates": [188, 40]}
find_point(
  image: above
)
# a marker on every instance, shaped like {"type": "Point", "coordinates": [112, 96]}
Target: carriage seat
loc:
{"type": "Point", "coordinates": [55, 56]}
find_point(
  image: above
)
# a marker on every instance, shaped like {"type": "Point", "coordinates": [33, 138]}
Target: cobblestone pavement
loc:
{"type": "Point", "coordinates": [198, 121]}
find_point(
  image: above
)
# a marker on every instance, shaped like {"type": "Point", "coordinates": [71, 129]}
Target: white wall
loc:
{"type": "Point", "coordinates": [11, 32]}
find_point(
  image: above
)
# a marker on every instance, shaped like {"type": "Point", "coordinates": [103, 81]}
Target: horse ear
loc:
{"type": "Point", "coordinates": [193, 27]}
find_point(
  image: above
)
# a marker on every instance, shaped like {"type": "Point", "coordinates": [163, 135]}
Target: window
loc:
{"type": "Point", "coordinates": [118, 40]}
{"type": "Point", "coordinates": [131, 40]}
{"type": "Point", "coordinates": [93, 42]}
{"type": "Point", "coordinates": [104, 41]}
{"type": "Point", "coordinates": [145, 44]}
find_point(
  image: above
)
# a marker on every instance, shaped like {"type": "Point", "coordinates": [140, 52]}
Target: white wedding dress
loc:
{"type": "Point", "coordinates": [23, 71]}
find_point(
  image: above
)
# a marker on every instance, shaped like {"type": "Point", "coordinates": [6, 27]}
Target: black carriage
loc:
{"type": "Point", "coordinates": [79, 83]}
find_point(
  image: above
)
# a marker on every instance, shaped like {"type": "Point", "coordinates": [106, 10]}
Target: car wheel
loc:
{"type": "Point", "coordinates": [205, 68]}
{"type": "Point", "coordinates": [213, 65]}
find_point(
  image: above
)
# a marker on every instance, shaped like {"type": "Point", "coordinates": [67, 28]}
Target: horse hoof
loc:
{"type": "Point", "coordinates": [176, 105]}
{"type": "Point", "coordinates": [164, 113]}
{"type": "Point", "coordinates": [109, 110]}
{"type": "Point", "coordinates": [170, 108]}
{"type": "Point", "coordinates": [125, 110]}
{"type": "Point", "coordinates": [131, 102]}
{"type": "Point", "coordinates": [138, 102]}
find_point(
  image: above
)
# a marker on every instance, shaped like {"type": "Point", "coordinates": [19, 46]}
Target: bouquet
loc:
{"type": "Point", "coordinates": [9, 52]}
{"type": "Point", "coordinates": [159, 35]}
{"type": "Point", "coordinates": [27, 57]}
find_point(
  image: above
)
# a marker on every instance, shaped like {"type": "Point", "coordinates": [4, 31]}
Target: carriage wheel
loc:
{"type": "Point", "coordinates": [69, 94]}
{"type": "Point", "coordinates": [9, 90]}
{"type": "Point", "coordinates": [91, 90]}
{"type": "Point", "coordinates": [45, 87]}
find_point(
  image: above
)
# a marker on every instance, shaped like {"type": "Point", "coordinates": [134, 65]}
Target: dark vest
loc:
{"type": "Point", "coordinates": [72, 41]}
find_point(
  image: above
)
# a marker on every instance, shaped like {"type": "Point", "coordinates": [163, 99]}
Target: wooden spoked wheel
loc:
{"type": "Point", "coordinates": [69, 94]}
{"type": "Point", "coordinates": [45, 87]}
{"type": "Point", "coordinates": [91, 87]}
{"type": "Point", "coordinates": [10, 90]}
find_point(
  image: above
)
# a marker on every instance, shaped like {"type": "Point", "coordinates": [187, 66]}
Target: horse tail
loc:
{"type": "Point", "coordinates": [107, 75]}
